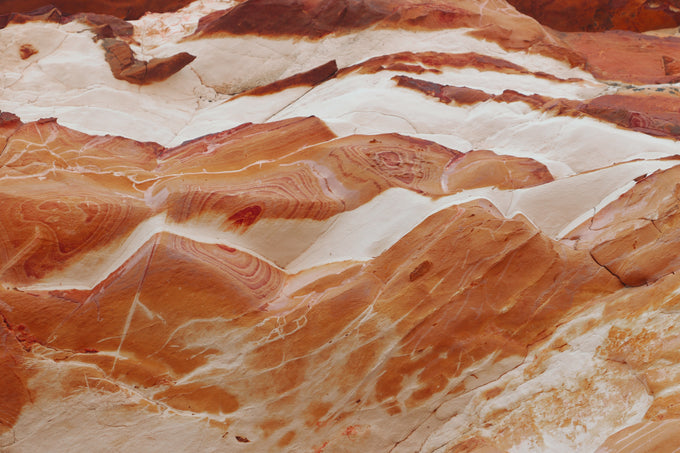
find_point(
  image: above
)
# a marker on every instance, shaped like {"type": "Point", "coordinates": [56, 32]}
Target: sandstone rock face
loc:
{"type": "Point", "coordinates": [336, 226]}
{"type": "Point", "coordinates": [125, 9]}
{"type": "Point", "coordinates": [600, 15]}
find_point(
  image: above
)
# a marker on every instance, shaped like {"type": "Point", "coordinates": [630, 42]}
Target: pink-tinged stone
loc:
{"type": "Point", "coordinates": [330, 226]}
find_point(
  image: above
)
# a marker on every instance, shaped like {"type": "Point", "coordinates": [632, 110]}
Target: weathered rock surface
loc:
{"type": "Point", "coordinates": [329, 226]}
{"type": "Point", "coordinates": [600, 15]}
{"type": "Point", "coordinates": [125, 9]}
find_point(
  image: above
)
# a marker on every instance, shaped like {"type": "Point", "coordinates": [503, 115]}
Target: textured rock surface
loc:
{"type": "Point", "coordinates": [329, 226]}
{"type": "Point", "coordinates": [125, 9]}
{"type": "Point", "coordinates": [600, 15]}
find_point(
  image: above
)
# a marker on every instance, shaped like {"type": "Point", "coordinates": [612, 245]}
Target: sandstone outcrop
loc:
{"type": "Point", "coordinates": [330, 226]}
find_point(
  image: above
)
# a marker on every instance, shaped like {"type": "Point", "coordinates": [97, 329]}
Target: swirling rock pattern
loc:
{"type": "Point", "coordinates": [328, 226]}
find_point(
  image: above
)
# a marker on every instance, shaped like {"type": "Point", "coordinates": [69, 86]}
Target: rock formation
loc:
{"type": "Point", "coordinates": [333, 226]}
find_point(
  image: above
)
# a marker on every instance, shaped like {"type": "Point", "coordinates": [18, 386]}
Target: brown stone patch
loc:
{"type": "Point", "coordinates": [198, 397]}
{"type": "Point", "coordinates": [125, 9]}
{"type": "Point", "coordinates": [309, 78]}
{"type": "Point", "coordinates": [600, 15]}
{"type": "Point", "coordinates": [286, 439]}
{"type": "Point", "coordinates": [125, 66]}
{"type": "Point", "coordinates": [26, 51]}
{"type": "Point", "coordinates": [14, 393]}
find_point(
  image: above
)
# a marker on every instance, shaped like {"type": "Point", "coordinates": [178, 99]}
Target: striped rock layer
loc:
{"type": "Point", "coordinates": [334, 226]}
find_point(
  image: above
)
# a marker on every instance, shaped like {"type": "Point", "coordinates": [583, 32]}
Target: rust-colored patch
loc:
{"type": "Point", "coordinates": [393, 409]}
{"type": "Point", "coordinates": [309, 78]}
{"type": "Point", "coordinates": [199, 397]}
{"type": "Point", "coordinates": [125, 9]}
{"type": "Point", "coordinates": [286, 439]}
{"type": "Point", "coordinates": [389, 385]}
{"type": "Point", "coordinates": [26, 51]}
{"type": "Point", "coordinates": [475, 445]}
{"type": "Point", "coordinates": [447, 94]}
{"type": "Point", "coordinates": [272, 425]}
{"type": "Point", "coordinates": [7, 118]}
{"type": "Point", "coordinates": [14, 393]}
{"type": "Point", "coordinates": [492, 393]}
{"type": "Point", "coordinates": [125, 66]}
{"type": "Point", "coordinates": [671, 66]}
{"type": "Point", "coordinates": [221, 425]}
{"type": "Point", "coordinates": [600, 15]}
{"type": "Point", "coordinates": [315, 413]}
{"type": "Point", "coordinates": [420, 270]}
{"type": "Point", "coordinates": [246, 216]}
{"type": "Point", "coordinates": [313, 19]}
